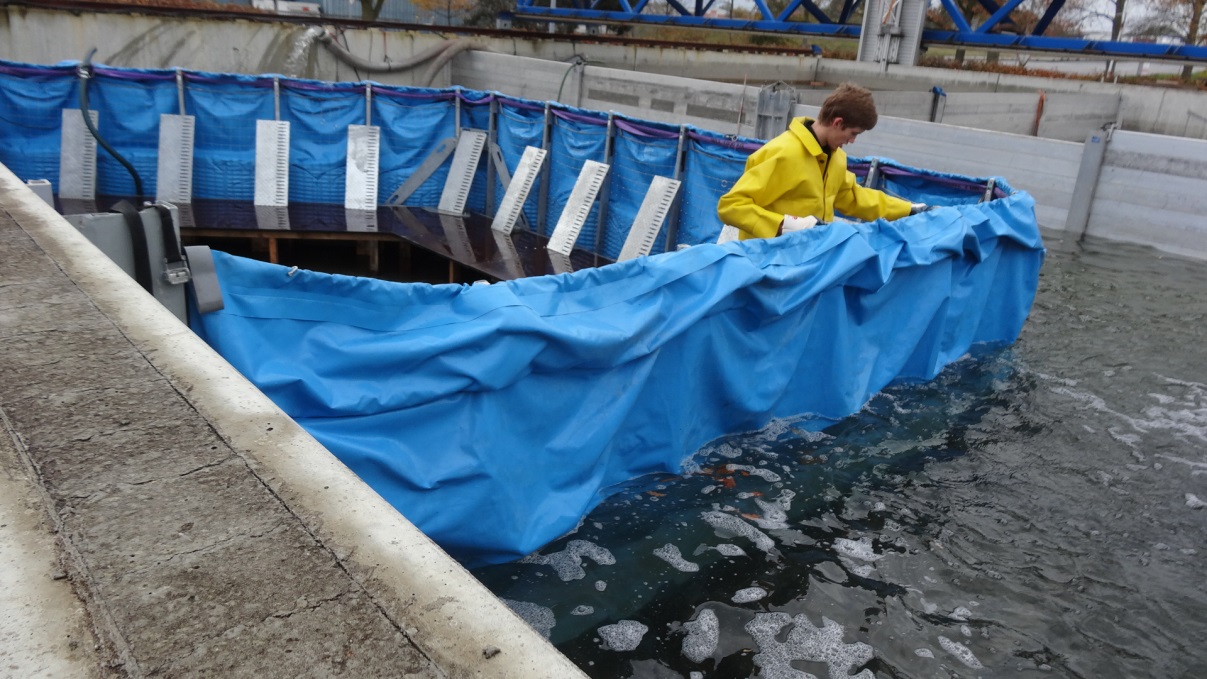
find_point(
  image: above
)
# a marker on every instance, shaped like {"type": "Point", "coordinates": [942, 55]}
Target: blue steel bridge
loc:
{"type": "Point", "coordinates": [807, 18]}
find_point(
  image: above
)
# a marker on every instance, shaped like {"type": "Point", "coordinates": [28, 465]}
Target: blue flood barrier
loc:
{"type": "Point", "coordinates": [496, 417]}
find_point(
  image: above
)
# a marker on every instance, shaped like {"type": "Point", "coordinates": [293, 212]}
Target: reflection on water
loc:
{"type": "Point", "coordinates": [1035, 511]}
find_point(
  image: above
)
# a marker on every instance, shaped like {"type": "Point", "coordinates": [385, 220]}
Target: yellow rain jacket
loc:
{"type": "Point", "coordinates": [791, 175]}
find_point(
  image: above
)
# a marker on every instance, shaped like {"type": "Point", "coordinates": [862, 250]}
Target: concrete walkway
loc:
{"type": "Point", "coordinates": [159, 516]}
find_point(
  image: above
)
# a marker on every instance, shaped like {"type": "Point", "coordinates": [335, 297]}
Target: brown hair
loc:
{"type": "Point", "coordinates": [853, 104]}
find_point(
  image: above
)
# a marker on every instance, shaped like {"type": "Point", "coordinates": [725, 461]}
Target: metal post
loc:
{"type": "Point", "coordinates": [276, 98]}
{"type": "Point", "coordinates": [543, 193]}
{"type": "Point", "coordinates": [672, 220]}
{"type": "Point", "coordinates": [368, 104]}
{"type": "Point", "coordinates": [491, 144]}
{"type": "Point", "coordinates": [604, 195]}
{"type": "Point", "coordinates": [1092, 155]}
{"type": "Point", "coordinates": [180, 90]}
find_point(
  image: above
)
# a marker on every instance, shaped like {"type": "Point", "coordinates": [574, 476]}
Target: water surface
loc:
{"type": "Point", "coordinates": [1037, 510]}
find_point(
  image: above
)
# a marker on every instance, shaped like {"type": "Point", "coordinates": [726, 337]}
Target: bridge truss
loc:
{"type": "Point", "coordinates": [994, 33]}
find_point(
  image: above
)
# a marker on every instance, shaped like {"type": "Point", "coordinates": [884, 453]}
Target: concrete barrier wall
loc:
{"type": "Point", "coordinates": [1045, 168]}
{"type": "Point", "coordinates": [1013, 112]}
{"type": "Point", "coordinates": [1066, 116]}
{"type": "Point", "coordinates": [1152, 189]}
{"type": "Point", "coordinates": [911, 105]}
{"type": "Point", "coordinates": [47, 36]}
{"type": "Point", "coordinates": [540, 69]}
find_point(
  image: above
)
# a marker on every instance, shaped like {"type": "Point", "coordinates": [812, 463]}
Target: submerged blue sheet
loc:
{"type": "Point", "coordinates": [495, 417]}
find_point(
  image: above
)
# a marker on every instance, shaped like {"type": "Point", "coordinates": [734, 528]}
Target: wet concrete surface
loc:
{"type": "Point", "coordinates": [148, 528]}
{"type": "Point", "coordinates": [186, 560]}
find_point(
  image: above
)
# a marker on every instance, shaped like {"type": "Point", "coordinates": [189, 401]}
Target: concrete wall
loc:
{"type": "Point", "coordinates": [45, 36]}
{"type": "Point", "coordinates": [1152, 189]}
{"type": "Point", "coordinates": [648, 83]}
{"type": "Point", "coordinates": [1045, 168]}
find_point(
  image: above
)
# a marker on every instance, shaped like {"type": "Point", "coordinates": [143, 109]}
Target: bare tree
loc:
{"type": "Point", "coordinates": [1180, 20]}
{"type": "Point", "coordinates": [449, 8]}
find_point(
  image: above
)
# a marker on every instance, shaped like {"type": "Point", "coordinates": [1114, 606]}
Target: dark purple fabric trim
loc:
{"type": "Point", "coordinates": [738, 144]}
{"type": "Point", "coordinates": [40, 71]}
{"type": "Point", "coordinates": [125, 74]}
{"type": "Point", "coordinates": [403, 94]}
{"type": "Point", "coordinates": [579, 118]}
{"type": "Point", "coordinates": [643, 131]}
{"type": "Point", "coordinates": [521, 104]}
{"type": "Point", "coordinates": [861, 169]}
{"type": "Point", "coordinates": [475, 102]}
{"type": "Point", "coordinates": [311, 86]}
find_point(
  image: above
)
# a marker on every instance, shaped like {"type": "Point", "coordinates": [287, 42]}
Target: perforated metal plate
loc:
{"type": "Point", "coordinates": [650, 216]}
{"type": "Point", "coordinates": [461, 174]}
{"type": "Point", "coordinates": [272, 217]}
{"type": "Point", "coordinates": [174, 169]}
{"type": "Point", "coordinates": [508, 253]}
{"type": "Point", "coordinates": [578, 207]}
{"type": "Point", "coordinates": [360, 220]}
{"type": "Point", "coordinates": [561, 263]}
{"type": "Point", "coordinates": [77, 157]}
{"type": "Point", "coordinates": [364, 152]}
{"type": "Point", "coordinates": [457, 237]}
{"type": "Point", "coordinates": [272, 163]}
{"type": "Point", "coordinates": [512, 205]}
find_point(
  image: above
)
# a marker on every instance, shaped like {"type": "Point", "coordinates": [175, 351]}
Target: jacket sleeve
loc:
{"type": "Point", "coordinates": [742, 207]}
{"type": "Point", "coordinates": [868, 204]}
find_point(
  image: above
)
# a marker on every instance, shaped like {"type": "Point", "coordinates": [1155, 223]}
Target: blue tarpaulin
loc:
{"type": "Point", "coordinates": [495, 417]}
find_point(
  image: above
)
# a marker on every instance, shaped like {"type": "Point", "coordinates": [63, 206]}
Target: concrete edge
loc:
{"type": "Point", "coordinates": [45, 629]}
{"type": "Point", "coordinates": [443, 609]}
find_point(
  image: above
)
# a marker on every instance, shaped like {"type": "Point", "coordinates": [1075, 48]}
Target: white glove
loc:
{"type": "Point", "coordinates": [791, 223]}
{"type": "Point", "coordinates": [915, 208]}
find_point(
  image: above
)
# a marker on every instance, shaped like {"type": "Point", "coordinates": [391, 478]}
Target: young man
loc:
{"type": "Point", "coordinates": [801, 177]}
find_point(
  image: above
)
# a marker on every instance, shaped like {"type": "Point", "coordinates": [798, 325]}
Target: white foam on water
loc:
{"type": "Point", "coordinates": [703, 633]}
{"type": "Point", "coordinates": [600, 585]}
{"type": "Point", "coordinates": [961, 652]}
{"type": "Point", "coordinates": [729, 549]}
{"type": "Point", "coordinates": [728, 525]}
{"type": "Point", "coordinates": [582, 610]}
{"type": "Point", "coordinates": [924, 653]}
{"type": "Point", "coordinates": [671, 554]}
{"type": "Point", "coordinates": [771, 516]}
{"type": "Point", "coordinates": [537, 616]}
{"type": "Point", "coordinates": [568, 563]}
{"type": "Point", "coordinates": [862, 570]}
{"type": "Point", "coordinates": [721, 449]}
{"type": "Point", "coordinates": [625, 635]}
{"type": "Point", "coordinates": [960, 613]}
{"type": "Point", "coordinates": [1194, 502]}
{"type": "Point", "coordinates": [745, 596]}
{"type": "Point", "coordinates": [861, 549]}
{"type": "Point", "coordinates": [766, 474]}
{"type": "Point", "coordinates": [1184, 415]}
{"type": "Point", "coordinates": [696, 675]}
{"type": "Point", "coordinates": [805, 642]}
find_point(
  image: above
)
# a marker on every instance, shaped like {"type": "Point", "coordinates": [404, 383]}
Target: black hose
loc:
{"type": "Point", "coordinates": [85, 73]}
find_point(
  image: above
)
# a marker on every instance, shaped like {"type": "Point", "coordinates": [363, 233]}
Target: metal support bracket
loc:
{"type": "Point", "coordinates": [578, 207]}
{"type": "Point", "coordinates": [654, 208]}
